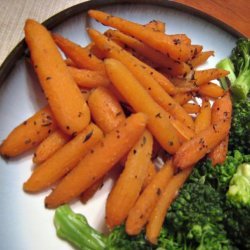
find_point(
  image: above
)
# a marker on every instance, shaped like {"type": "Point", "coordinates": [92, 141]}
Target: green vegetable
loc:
{"type": "Point", "coordinates": [226, 64]}
{"type": "Point", "coordinates": [239, 65]}
{"type": "Point", "coordinates": [240, 128]}
{"type": "Point", "coordinates": [239, 188]}
{"type": "Point", "coordinates": [237, 206]}
{"type": "Point", "coordinates": [75, 229]}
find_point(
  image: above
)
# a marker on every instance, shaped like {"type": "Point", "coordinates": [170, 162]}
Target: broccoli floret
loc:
{"type": "Point", "coordinates": [237, 212]}
{"type": "Point", "coordinates": [239, 188]}
{"type": "Point", "coordinates": [240, 127]}
{"type": "Point", "coordinates": [238, 65]}
{"type": "Point", "coordinates": [198, 215]}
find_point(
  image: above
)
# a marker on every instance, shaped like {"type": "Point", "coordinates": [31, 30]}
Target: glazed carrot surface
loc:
{"type": "Point", "coordinates": [57, 83]}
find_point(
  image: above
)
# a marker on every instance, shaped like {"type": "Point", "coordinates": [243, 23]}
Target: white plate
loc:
{"type": "Point", "coordinates": [25, 223]}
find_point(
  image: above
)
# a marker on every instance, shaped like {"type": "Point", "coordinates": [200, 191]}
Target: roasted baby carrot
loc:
{"type": "Point", "coordinates": [172, 67]}
{"type": "Point", "coordinates": [157, 40]}
{"type": "Point", "coordinates": [105, 109]}
{"type": "Point", "coordinates": [88, 78]}
{"type": "Point", "coordinates": [201, 58]}
{"type": "Point", "coordinates": [157, 216]}
{"type": "Point", "coordinates": [129, 184]}
{"type": "Point", "coordinates": [211, 90]}
{"type": "Point", "coordinates": [63, 160]}
{"type": "Point", "coordinates": [203, 119]}
{"type": "Point", "coordinates": [191, 108]}
{"type": "Point", "coordinates": [159, 122]}
{"type": "Point", "coordinates": [64, 97]}
{"type": "Point", "coordinates": [192, 151]}
{"type": "Point", "coordinates": [98, 161]}
{"type": "Point", "coordinates": [82, 57]}
{"type": "Point", "coordinates": [50, 145]}
{"type": "Point", "coordinates": [146, 79]}
{"type": "Point", "coordinates": [139, 214]}
{"type": "Point", "coordinates": [29, 133]}
{"type": "Point", "coordinates": [113, 50]}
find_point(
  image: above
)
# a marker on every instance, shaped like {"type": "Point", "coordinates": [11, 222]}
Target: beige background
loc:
{"type": "Point", "coordinates": [13, 14]}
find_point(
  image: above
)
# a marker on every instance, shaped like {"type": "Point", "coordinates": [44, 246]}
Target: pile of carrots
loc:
{"type": "Point", "coordinates": [122, 100]}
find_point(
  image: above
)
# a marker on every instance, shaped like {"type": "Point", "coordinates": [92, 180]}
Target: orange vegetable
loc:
{"type": "Point", "coordinates": [183, 98]}
{"type": "Point", "coordinates": [192, 151]}
{"type": "Point", "coordinates": [153, 88]}
{"type": "Point", "coordinates": [139, 214]}
{"type": "Point", "coordinates": [29, 133]}
{"type": "Point", "coordinates": [129, 184]}
{"type": "Point", "coordinates": [89, 193]}
{"type": "Point", "coordinates": [156, 25]}
{"type": "Point", "coordinates": [211, 90]}
{"type": "Point", "coordinates": [151, 172]}
{"type": "Point", "coordinates": [171, 66]}
{"type": "Point", "coordinates": [88, 78]}
{"type": "Point", "coordinates": [201, 58]}
{"type": "Point", "coordinates": [157, 40]}
{"type": "Point", "coordinates": [205, 76]}
{"type": "Point", "coordinates": [203, 119]}
{"type": "Point", "coordinates": [159, 122]}
{"type": "Point", "coordinates": [49, 146]}
{"type": "Point", "coordinates": [113, 50]}
{"type": "Point", "coordinates": [63, 160]}
{"type": "Point", "coordinates": [98, 161]}
{"type": "Point", "coordinates": [220, 110]}
{"type": "Point", "coordinates": [105, 109]}
{"type": "Point", "coordinates": [158, 215]}
{"type": "Point", "coordinates": [58, 85]}
{"type": "Point", "coordinates": [81, 57]}
{"type": "Point", "coordinates": [191, 108]}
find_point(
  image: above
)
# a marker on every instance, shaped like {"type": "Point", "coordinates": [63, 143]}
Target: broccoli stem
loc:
{"type": "Point", "coordinates": [241, 86]}
{"type": "Point", "coordinates": [226, 64]}
{"type": "Point", "coordinates": [75, 229]}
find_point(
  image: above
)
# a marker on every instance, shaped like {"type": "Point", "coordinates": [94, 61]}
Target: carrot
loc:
{"type": "Point", "coordinates": [192, 151]}
{"type": "Point", "coordinates": [105, 109]}
{"type": "Point", "coordinates": [92, 48]}
{"type": "Point", "coordinates": [203, 119]}
{"type": "Point", "coordinates": [89, 193]}
{"type": "Point", "coordinates": [139, 214]}
{"type": "Point", "coordinates": [158, 215]}
{"type": "Point", "coordinates": [153, 88]}
{"type": "Point", "coordinates": [151, 172]}
{"type": "Point", "coordinates": [191, 108]}
{"type": "Point", "coordinates": [185, 133]}
{"type": "Point", "coordinates": [98, 161]}
{"type": "Point", "coordinates": [201, 58]}
{"type": "Point", "coordinates": [81, 57]}
{"type": "Point", "coordinates": [157, 40]}
{"type": "Point", "coordinates": [183, 98]}
{"type": "Point", "coordinates": [211, 90]}
{"type": "Point", "coordinates": [63, 160]}
{"type": "Point", "coordinates": [57, 83]}
{"type": "Point", "coordinates": [219, 153]}
{"type": "Point", "coordinates": [159, 123]}
{"type": "Point", "coordinates": [129, 184]}
{"type": "Point", "coordinates": [156, 25]}
{"type": "Point", "coordinates": [88, 78]}
{"type": "Point", "coordinates": [115, 51]}
{"type": "Point", "coordinates": [221, 108]}
{"type": "Point", "coordinates": [29, 133]}
{"type": "Point", "coordinates": [107, 114]}
{"type": "Point", "coordinates": [69, 62]}
{"type": "Point", "coordinates": [201, 77]}
{"type": "Point", "coordinates": [172, 67]}
{"type": "Point", "coordinates": [49, 146]}
{"type": "Point", "coordinates": [183, 85]}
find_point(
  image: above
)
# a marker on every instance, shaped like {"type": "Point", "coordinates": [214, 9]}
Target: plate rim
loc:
{"type": "Point", "coordinates": [19, 50]}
